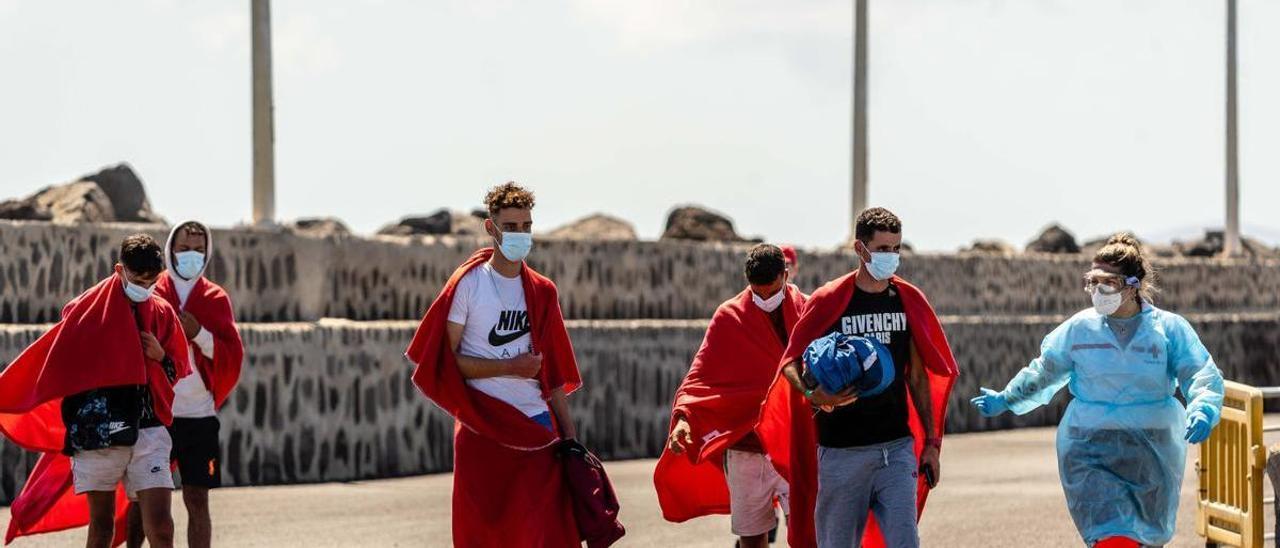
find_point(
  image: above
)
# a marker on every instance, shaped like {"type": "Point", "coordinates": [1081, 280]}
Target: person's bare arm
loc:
{"type": "Point", "coordinates": [922, 398]}
{"type": "Point", "coordinates": [792, 373]}
{"type": "Point", "coordinates": [818, 396]}
{"type": "Point", "coordinates": [524, 365]}
{"type": "Point", "coordinates": [560, 406]}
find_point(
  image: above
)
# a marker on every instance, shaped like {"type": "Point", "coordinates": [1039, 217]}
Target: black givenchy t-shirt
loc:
{"type": "Point", "coordinates": [881, 418]}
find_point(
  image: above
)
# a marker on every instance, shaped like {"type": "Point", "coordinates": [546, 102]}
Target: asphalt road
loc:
{"type": "Point", "coordinates": [998, 489]}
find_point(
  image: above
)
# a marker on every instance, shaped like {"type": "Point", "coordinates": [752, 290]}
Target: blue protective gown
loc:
{"type": "Point", "coordinates": [1121, 451]}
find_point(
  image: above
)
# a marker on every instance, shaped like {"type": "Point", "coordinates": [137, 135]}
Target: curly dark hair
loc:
{"type": "Point", "coordinates": [764, 264]}
{"type": "Point", "coordinates": [141, 255]}
{"type": "Point", "coordinates": [876, 219]}
{"type": "Point", "coordinates": [506, 195]}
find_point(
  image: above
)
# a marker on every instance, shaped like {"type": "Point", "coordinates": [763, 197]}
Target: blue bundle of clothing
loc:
{"type": "Point", "coordinates": [838, 361]}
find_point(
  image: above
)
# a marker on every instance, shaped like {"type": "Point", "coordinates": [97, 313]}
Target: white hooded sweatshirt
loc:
{"type": "Point", "coordinates": [191, 398]}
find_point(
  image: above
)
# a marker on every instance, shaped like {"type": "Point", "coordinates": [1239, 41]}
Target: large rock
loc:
{"type": "Point", "coordinates": [1054, 239]}
{"type": "Point", "coordinates": [1214, 241]}
{"type": "Point", "coordinates": [1162, 251]}
{"type": "Point", "coordinates": [127, 194]}
{"type": "Point", "coordinates": [320, 227]}
{"type": "Point", "coordinates": [113, 194]}
{"type": "Point", "coordinates": [78, 202]}
{"type": "Point", "coordinates": [699, 224]}
{"type": "Point", "coordinates": [443, 221]}
{"type": "Point", "coordinates": [991, 247]}
{"type": "Point", "coordinates": [24, 209]}
{"type": "Point", "coordinates": [470, 224]}
{"type": "Point", "coordinates": [1259, 250]}
{"type": "Point", "coordinates": [596, 227]}
{"type": "Point", "coordinates": [1211, 245]}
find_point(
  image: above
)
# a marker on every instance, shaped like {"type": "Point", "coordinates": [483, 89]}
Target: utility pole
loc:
{"type": "Point", "coordinates": [859, 166]}
{"type": "Point", "coordinates": [1231, 243]}
{"type": "Point", "coordinates": [264, 164]}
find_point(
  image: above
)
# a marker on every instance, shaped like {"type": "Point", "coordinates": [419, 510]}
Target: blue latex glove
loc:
{"type": "Point", "coordinates": [990, 403]}
{"type": "Point", "coordinates": [1198, 428]}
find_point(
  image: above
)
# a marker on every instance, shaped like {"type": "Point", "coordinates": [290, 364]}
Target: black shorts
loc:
{"type": "Point", "coordinates": [195, 447]}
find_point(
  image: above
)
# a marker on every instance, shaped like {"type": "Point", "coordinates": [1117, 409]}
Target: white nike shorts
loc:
{"type": "Point", "coordinates": [141, 467]}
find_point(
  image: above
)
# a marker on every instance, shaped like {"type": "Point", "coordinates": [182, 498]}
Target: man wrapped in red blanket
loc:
{"type": "Point", "coordinates": [494, 353]}
{"type": "Point", "coordinates": [714, 463]}
{"type": "Point", "coordinates": [846, 457]}
{"type": "Point", "coordinates": [98, 387]}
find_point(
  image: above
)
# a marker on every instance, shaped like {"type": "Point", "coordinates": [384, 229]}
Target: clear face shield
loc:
{"type": "Point", "coordinates": [1098, 281]}
{"type": "Point", "coordinates": [1104, 283]}
{"type": "Point", "coordinates": [1106, 289]}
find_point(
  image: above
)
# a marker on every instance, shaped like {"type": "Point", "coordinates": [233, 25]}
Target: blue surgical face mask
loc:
{"type": "Point", "coordinates": [515, 246]}
{"type": "Point", "coordinates": [190, 264]}
{"type": "Point", "coordinates": [883, 264]}
{"type": "Point", "coordinates": [137, 293]}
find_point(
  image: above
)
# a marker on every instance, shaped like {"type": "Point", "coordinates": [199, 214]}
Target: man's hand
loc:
{"type": "Point", "coordinates": [929, 459]}
{"type": "Point", "coordinates": [681, 437]}
{"type": "Point", "coordinates": [151, 347]}
{"type": "Point", "coordinates": [189, 325]}
{"type": "Point", "coordinates": [828, 402]}
{"type": "Point", "coordinates": [525, 365]}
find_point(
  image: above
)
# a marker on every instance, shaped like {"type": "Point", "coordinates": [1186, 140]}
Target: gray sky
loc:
{"type": "Point", "coordinates": [989, 118]}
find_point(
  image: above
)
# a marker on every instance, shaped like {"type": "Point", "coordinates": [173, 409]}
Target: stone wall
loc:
{"type": "Point", "coordinates": [333, 401]}
{"type": "Point", "coordinates": [278, 276]}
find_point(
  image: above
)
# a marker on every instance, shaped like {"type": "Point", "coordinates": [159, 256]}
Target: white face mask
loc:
{"type": "Point", "coordinates": [137, 293]}
{"type": "Point", "coordinates": [1107, 304]}
{"type": "Point", "coordinates": [772, 303]}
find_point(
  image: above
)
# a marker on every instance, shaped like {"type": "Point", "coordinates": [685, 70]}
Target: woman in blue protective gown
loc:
{"type": "Point", "coordinates": [1122, 445]}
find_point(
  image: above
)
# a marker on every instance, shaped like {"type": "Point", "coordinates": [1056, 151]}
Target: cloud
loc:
{"type": "Point", "coordinates": [222, 31]}
{"type": "Point", "coordinates": [301, 44]}
{"type": "Point", "coordinates": [674, 24]}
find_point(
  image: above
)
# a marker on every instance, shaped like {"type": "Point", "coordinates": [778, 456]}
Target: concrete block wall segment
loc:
{"type": "Point", "coordinates": [279, 276]}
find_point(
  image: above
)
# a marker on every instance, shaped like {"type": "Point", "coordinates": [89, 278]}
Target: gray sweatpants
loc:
{"type": "Point", "coordinates": [880, 478]}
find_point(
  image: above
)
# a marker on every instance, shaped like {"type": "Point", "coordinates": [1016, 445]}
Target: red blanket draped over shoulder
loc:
{"type": "Point", "coordinates": [211, 306]}
{"type": "Point", "coordinates": [720, 398]}
{"type": "Point", "coordinates": [786, 425]}
{"type": "Point", "coordinates": [95, 345]}
{"type": "Point", "coordinates": [509, 487]}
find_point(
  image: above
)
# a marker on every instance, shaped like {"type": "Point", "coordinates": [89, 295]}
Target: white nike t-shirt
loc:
{"type": "Point", "coordinates": [495, 321]}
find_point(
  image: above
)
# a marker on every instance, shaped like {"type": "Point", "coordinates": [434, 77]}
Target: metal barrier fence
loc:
{"type": "Point", "coordinates": [1231, 471]}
